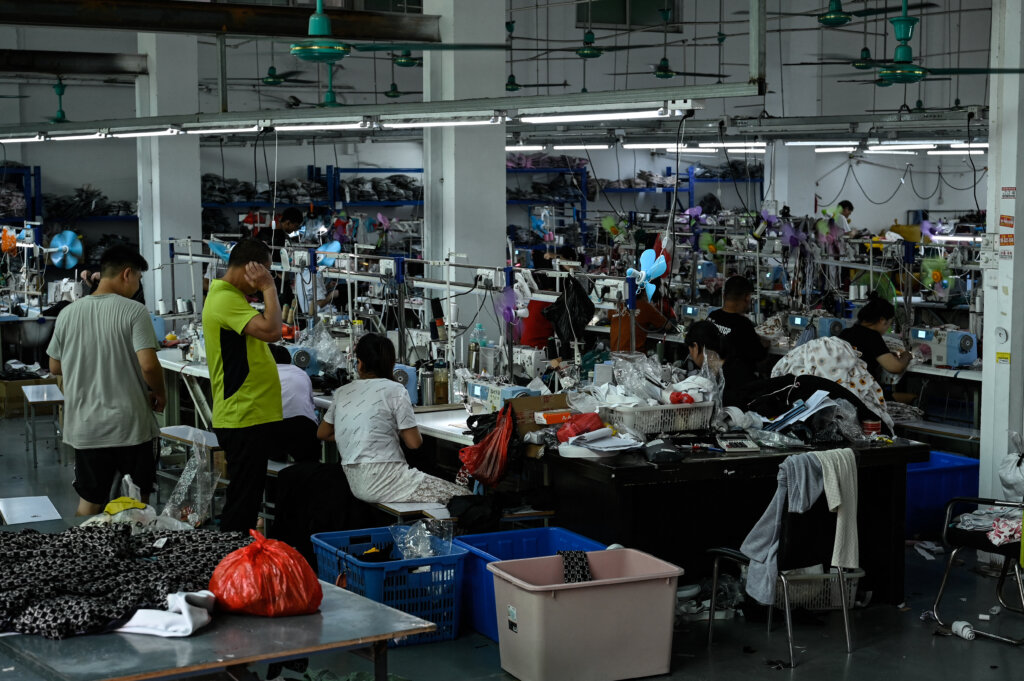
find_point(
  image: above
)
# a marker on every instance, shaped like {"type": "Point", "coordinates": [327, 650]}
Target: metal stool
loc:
{"type": "Point", "coordinates": [40, 396]}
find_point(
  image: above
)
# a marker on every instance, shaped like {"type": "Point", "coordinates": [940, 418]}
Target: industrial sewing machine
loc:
{"type": "Point", "coordinates": [304, 357]}
{"type": "Point", "coordinates": [485, 397]}
{"type": "Point", "coordinates": [797, 323]}
{"type": "Point", "coordinates": [406, 375]}
{"type": "Point", "coordinates": [948, 347]}
{"type": "Point", "coordinates": [832, 326]}
{"type": "Point", "coordinates": [529, 361]}
{"type": "Point", "coordinates": [688, 312]}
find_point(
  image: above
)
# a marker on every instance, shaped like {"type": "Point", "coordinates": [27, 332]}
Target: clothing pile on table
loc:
{"type": "Point", "coordinates": [89, 580]}
{"type": "Point", "coordinates": [733, 170]}
{"type": "Point", "coordinates": [542, 160]}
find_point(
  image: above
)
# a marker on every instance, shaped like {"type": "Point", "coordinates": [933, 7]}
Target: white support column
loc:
{"type": "Point", "coordinates": [1002, 391]}
{"type": "Point", "coordinates": [790, 176]}
{"type": "Point", "coordinates": [168, 167]}
{"type": "Point", "coordinates": [464, 167]}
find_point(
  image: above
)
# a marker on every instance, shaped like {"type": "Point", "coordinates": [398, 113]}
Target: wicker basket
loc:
{"type": "Point", "coordinates": [819, 591]}
{"type": "Point", "coordinates": [662, 418]}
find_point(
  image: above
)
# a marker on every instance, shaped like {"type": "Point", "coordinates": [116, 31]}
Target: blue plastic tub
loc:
{"type": "Point", "coordinates": [478, 583]}
{"type": "Point", "coordinates": [433, 594]}
{"type": "Point", "coordinates": [931, 485]}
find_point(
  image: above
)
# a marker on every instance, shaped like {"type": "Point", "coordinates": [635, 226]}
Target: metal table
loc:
{"type": "Point", "coordinates": [230, 643]}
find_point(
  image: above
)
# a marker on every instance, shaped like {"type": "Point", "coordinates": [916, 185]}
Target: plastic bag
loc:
{"type": "Point", "coordinates": [268, 578]}
{"type": "Point", "coordinates": [578, 425]}
{"type": "Point", "coordinates": [423, 539]}
{"type": "Point", "coordinates": [192, 498]}
{"type": "Point", "coordinates": [570, 314]}
{"type": "Point", "coordinates": [847, 421]}
{"type": "Point", "coordinates": [487, 460]}
{"type": "Point", "coordinates": [767, 438]}
{"type": "Point", "coordinates": [328, 350]}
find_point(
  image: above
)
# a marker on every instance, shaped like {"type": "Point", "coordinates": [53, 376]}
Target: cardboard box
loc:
{"type": "Point", "coordinates": [12, 400]}
{"type": "Point", "coordinates": [526, 407]}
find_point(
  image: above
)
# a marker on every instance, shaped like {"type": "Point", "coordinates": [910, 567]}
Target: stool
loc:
{"type": "Point", "coordinates": [40, 396]}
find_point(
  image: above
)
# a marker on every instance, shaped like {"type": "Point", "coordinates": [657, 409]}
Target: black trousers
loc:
{"type": "Point", "coordinates": [245, 451]}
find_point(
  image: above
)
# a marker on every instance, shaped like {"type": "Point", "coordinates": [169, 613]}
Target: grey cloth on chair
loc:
{"type": "Point", "coordinates": [800, 478]}
{"type": "Point", "coordinates": [839, 469]}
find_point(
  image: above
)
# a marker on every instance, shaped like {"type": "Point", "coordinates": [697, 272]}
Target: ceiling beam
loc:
{"type": "Point", "coordinates": [72, 63]}
{"type": "Point", "coordinates": [171, 16]}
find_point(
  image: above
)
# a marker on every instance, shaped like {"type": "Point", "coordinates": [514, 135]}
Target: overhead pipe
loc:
{"type": "Point", "coordinates": [72, 63]}
{"type": "Point", "coordinates": [176, 16]}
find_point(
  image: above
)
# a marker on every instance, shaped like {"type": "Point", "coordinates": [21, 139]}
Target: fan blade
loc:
{"type": "Point", "coordinates": [219, 249]}
{"type": "Point", "coordinates": [76, 248]}
{"type": "Point", "coordinates": [13, 96]}
{"type": "Point", "coordinates": [427, 47]}
{"type": "Point", "coordinates": [657, 269]}
{"type": "Point", "coordinates": [287, 75]}
{"type": "Point", "coordinates": [647, 259]}
{"type": "Point", "coordinates": [650, 288]}
{"type": "Point", "coordinates": [678, 73]}
{"type": "Point", "coordinates": [896, 9]}
{"type": "Point", "coordinates": [564, 83]}
{"type": "Point", "coordinates": [970, 71]}
{"type": "Point", "coordinates": [329, 247]}
{"type": "Point", "coordinates": [744, 12]}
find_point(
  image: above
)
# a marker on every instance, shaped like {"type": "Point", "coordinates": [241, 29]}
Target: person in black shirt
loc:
{"type": "Point", "coordinates": [865, 336]}
{"type": "Point", "coordinates": [742, 347]}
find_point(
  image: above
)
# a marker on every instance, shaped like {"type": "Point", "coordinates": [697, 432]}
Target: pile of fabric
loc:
{"type": "Point", "coordinates": [562, 188]}
{"type": "Point", "coordinates": [93, 579]}
{"type": "Point", "coordinates": [216, 189]}
{"type": "Point", "coordinates": [87, 201]}
{"type": "Point", "coordinates": [542, 160]}
{"type": "Point", "coordinates": [733, 170]}
{"type": "Point", "coordinates": [390, 188]}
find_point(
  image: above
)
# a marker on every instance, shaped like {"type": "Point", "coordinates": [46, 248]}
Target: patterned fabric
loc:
{"type": "Point", "coordinates": [575, 567]}
{"type": "Point", "coordinates": [836, 360]}
{"type": "Point", "coordinates": [393, 481]}
{"type": "Point", "coordinates": [92, 579]}
{"type": "Point", "coordinates": [1004, 531]}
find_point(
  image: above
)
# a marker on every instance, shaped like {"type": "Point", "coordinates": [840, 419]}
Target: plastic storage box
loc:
{"type": "Point", "coordinates": [931, 485]}
{"type": "Point", "coordinates": [618, 626]}
{"type": "Point", "coordinates": [429, 588]}
{"type": "Point", "coordinates": [662, 418]}
{"type": "Point", "coordinates": [477, 583]}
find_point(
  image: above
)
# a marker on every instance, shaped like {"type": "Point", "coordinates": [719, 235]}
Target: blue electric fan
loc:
{"type": "Point", "coordinates": [65, 250]}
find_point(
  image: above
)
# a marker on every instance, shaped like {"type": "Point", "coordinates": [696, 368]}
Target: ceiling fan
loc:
{"type": "Point", "coordinates": [663, 70]}
{"type": "Point", "coordinates": [835, 16]}
{"type": "Point", "coordinates": [511, 84]}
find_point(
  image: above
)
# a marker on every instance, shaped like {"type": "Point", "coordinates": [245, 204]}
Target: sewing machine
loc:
{"type": "Point", "coordinates": [797, 323]}
{"type": "Point", "coordinates": [831, 326]}
{"type": "Point", "coordinates": [406, 375]}
{"type": "Point", "coordinates": [948, 347]}
{"type": "Point", "coordinates": [529, 361]}
{"type": "Point", "coordinates": [694, 313]}
{"type": "Point", "coordinates": [485, 397]}
{"type": "Point", "coordinates": [304, 357]}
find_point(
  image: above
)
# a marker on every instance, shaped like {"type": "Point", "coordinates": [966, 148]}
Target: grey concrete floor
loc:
{"type": "Point", "coordinates": [889, 642]}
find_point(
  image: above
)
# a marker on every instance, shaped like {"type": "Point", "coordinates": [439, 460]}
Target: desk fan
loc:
{"type": "Point", "coordinates": [65, 249]}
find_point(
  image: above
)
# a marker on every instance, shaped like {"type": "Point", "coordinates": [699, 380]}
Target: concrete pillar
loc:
{"type": "Point", "coordinates": [464, 167]}
{"type": "Point", "coordinates": [168, 167]}
{"type": "Point", "coordinates": [1002, 390]}
{"type": "Point", "coordinates": [790, 174]}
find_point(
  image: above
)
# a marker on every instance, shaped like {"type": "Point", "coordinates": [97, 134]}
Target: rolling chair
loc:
{"type": "Point", "coordinates": [959, 539]}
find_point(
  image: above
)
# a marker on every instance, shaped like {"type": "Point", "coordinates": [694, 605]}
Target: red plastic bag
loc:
{"type": "Point", "coordinates": [578, 425]}
{"type": "Point", "coordinates": [267, 577]}
{"type": "Point", "coordinates": [487, 460]}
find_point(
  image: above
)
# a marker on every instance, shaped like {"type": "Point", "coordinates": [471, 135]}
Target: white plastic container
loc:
{"type": "Point", "coordinates": [617, 626]}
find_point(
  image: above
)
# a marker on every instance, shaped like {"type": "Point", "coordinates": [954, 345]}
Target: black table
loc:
{"type": "Point", "coordinates": [678, 511]}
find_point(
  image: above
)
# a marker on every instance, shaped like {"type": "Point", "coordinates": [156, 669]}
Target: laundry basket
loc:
{"type": "Point", "coordinates": [819, 591]}
{"type": "Point", "coordinates": [662, 418]}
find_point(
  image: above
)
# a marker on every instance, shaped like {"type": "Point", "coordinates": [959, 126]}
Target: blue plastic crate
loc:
{"type": "Point", "coordinates": [434, 594]}
{"type": "Point", "coordinates": [931, 485]}
{"type": "Point", "coordinates": [478, 585]}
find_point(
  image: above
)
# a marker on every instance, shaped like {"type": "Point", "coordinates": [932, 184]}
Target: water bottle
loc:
{"type": "Point", "coordinates": [479, 336]}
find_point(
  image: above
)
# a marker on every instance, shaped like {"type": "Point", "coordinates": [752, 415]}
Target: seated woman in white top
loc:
{"type": "Point", "coordinates": [366, 420]}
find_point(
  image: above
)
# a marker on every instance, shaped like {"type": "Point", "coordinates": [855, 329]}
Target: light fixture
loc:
{"type": "Point", "coordinates": [585, 118]}
{"type": "Point", "coordinates": [956, 237]}
{"type": "Point", "coordinates": [669, 147]}
{"type": "Point", "coordinates": [223, 131]}
{"type": "Point", "coordinates": [899, 147]}
{"type": "Point", "coordinates": [148, 133]}
{"type": "Point", "coordinates": [891, 151]}
{"type": "Point", "coordinates": [436, 124]}
{"type": "Point", "coordinates": [317, 127]}
{"type": "Point", "coordinates": [834, 150]}
{"type": "Point", "coordinates": [68, 138]}
{"type": "Point", "coordinates": [730, 145]}
{"type": "Point", "coordinates": [901, 143]}
{"type": "Point", "coordinates": [525, 147]}
{"type": "Point", "coordinates": [822, 143]}
{"type": "Point", "coordinates": [580, 147]}
{"type": "Point", "coordinates": [972, 145]}
{"type": "Point", "coordinates": [957, 152]}
{"type": "Point", "coordinates": [22, 140]}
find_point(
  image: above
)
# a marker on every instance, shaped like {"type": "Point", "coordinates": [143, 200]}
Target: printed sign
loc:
{"type": "Point", "coordinates": [1002, 358]}
{"type": "Point", "coordinates": [1005, 239]}
{"type": "Point", "coordinates": [1006, 221]}
{"type": "Point", "coordinates": [1006, 254]}
{"type": "Point", "coordinates": [1009, 192]}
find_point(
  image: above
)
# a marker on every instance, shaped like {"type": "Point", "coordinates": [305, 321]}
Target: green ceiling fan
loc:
{"type": "Point", "coordinates": [511, 84]}
{"type": "Point", "coordinates": [663, 70]}
{"type": "Point", "coordinates": [60, 116]}
{"type": "Point", "coordinates": [835, 16]}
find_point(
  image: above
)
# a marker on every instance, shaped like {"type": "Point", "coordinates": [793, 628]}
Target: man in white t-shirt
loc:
{"type": "Point", "coordinates": [298, 427]}
{"type": "Point", "coordinates": [843, 215]}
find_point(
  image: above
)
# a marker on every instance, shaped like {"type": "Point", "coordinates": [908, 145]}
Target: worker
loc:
{"type": "Point", "coordinates": [330, 297]}
{"type": "Point", "coordinates": [704, 344]}
{"type": "Point", "coordinates": [243, 376]}
{"type": "Point", "coordinates": [368, 418]}
{"type": "Point", "coordinates": [842, 216]}
{"type": "Point", "coordinates": [105, 348]}
{"type": "Point", "coordinates": [873, 320]}
{"type": "Point", "coordinates": [297, 433]}
{"type": "Point", "coordinates": [742, 347]}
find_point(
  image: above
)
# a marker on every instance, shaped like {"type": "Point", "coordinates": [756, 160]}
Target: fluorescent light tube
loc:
{"type": "Point", "coordinates": [21, 140]}
{"type": "Point", "coordinates": [525, 147]}
{"type": "Point", "coordinates": [584, 118]}
{"type": "Point", "coordinates": [92, 136]}
{"type": "Point", "coordinates": [957, 152]}
{"type": "Point", "coordinates": [834, 150]}
{"type": "Point", "coordinates": [222, 131]}
{"type": "Point", "coordinates": [730, 145]}
{"type": "Point", "coordinates": [656, 145]}
{"type": "Point", "coordinates": [434, 124]}
{"type": "Point", "coordinates": [572, 147]}
{"type": "Point", "coordinates": [901, 143]}
{"type": "Point", "coordinates": [899, 147]}
{"type": "Point", "coordinates": [891, 152]}
{"type": "Point", "coordinates": [670, 148]}
{"type": "Point", "coordinates": [823, 143]}
{"type": "Point", "coordinates": [973, 145]}
{"type": "Point", "coordinates": [148, 133]}
{"type": "Point", "coordinates": [956, 237]}
{"type": "Point", "coordinates": [734, 150]}
{"type": "Point", "coordinates": [316, 127]}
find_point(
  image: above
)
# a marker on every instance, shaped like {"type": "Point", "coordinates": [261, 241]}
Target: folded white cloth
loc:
{"type": "Point", "coordinates": [186, 613]}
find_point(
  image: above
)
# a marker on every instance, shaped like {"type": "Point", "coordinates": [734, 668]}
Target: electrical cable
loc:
{"type": "Point", "coordinates": [736, 186]}
{"type": "Point", "coordinates": [974, 168]}
{"type": "Point", "coordinates": [917, 193]}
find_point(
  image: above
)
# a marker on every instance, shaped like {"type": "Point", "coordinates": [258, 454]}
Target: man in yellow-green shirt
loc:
{"type": "Point", "coordinates": [243, 375]}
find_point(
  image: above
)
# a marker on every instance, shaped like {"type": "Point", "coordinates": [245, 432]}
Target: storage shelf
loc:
{"type": "Point", "coordinates": [261, 204]}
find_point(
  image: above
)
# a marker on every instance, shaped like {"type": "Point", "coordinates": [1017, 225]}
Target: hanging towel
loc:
{"type": "Point", "coordinates": [839, 470]}
{"type": "Point", "coordinates": [800, 479]}
{"type": "Point", "coordinates": [575, 567]}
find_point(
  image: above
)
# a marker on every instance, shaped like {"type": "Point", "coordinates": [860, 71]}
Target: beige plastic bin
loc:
{"type": "Point", "coordinates": [618, 626]}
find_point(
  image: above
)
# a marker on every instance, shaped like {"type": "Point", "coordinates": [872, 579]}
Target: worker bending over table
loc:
{"type": "Point", "coordinates": [873, 320]}
{"type": "Point", "coordinates": [742, 347]}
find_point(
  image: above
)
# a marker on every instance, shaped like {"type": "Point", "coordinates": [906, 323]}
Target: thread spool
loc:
{"type": "Point", "coordinates": [161, 306]}
{"type": "Point", "coordinates": [871, 427]}
{"type": "Point", "coordinates": [181, 306]}
{"type": "Point", "coordinates": [964, 630]}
